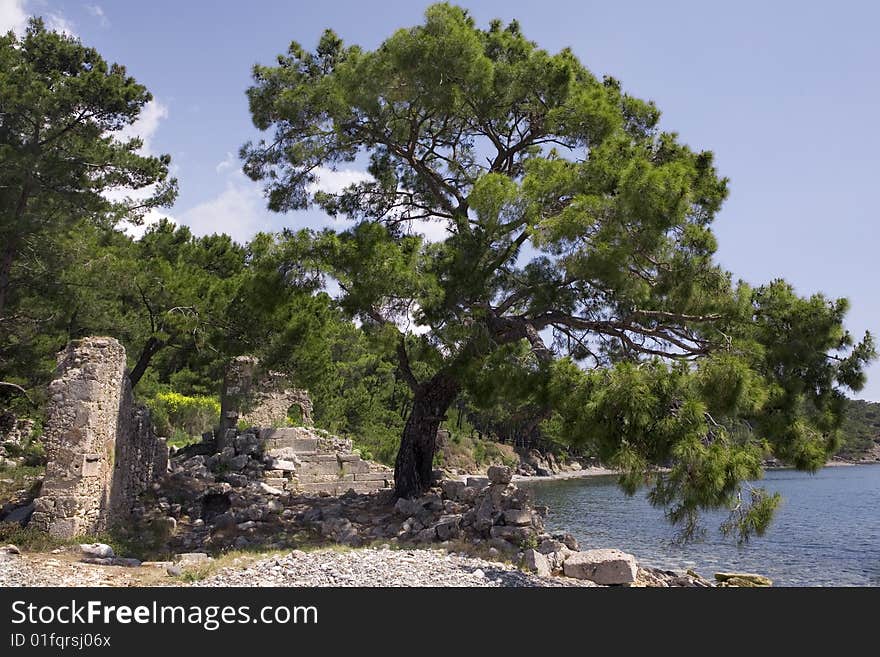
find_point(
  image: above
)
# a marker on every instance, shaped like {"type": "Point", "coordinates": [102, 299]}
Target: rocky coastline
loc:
{"type": "Point", "coordinates": [257, 495]}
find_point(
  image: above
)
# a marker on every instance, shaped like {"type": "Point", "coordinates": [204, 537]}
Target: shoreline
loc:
{"type": "Point", "coordinates": [597, 471]}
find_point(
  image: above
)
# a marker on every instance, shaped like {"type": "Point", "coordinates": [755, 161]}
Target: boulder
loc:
{"type": "Point", "coordinates": [96, 550]}
{"type": "Point", "coordinates": [537, 563]}
{"type": "Point", "coordinates": [452, 488]}
{"type": "Point", "coordinates": [518, 517]}
{"type": "Point", "coordinates": [607, 567]}
{"type": "Point", "coordinates": [238, 462]}
{"type": "Point", "coordinates": [191, 558]}
{"type": "Point", "coordinates": [407, 507]}
{"type": "Point", "coordinates": [515, 535]}
{"type": "Point", "coordinates": [551, 545]}
{"type": "Point", "coordinates": [486, 515]}
{"type": "Point", "coordinates": [224, 522]}
{"type": "Point", "coordinates": [477, 482]}
{"type": "Point", "coordinates": [569, 540]}
{"type": "Point", "coordinates": [557, 559]}
{"type": "Point", "coordinates": [500, 474]}
{"type": "Point", "coordinates": [448, 527]}
{"type": "Point", "coordinates": [427, 535]}
{"type": "Point", "coordinates": [743, 579]}
{"type": "Point", "coordinates": [284, 465]}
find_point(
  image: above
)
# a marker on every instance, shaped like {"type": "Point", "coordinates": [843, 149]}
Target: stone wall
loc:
{"type": "Point", "coordinates": [100, 447]}
{"type": "Point", "coordinates": [257, 398]}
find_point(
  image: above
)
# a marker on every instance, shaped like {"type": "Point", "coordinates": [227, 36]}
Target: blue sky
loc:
{"type": "Point", "coordinates": [784, 93]}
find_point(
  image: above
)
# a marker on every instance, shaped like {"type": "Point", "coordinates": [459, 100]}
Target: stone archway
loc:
{"type": "Point", "coordinates": [259, 399]}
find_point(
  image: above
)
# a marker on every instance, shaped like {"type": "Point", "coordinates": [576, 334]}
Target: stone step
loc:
{"type": "Point", "coordinates": [357, 467]}
{"type": "Point", "coordinates": [317, 469]}
{"type": "Point", "coordinates": [374, 476]}
{"type": "Point", "coordinates": [320, 458]}
{"type": "Point", "coordinates": [294, 439]}
{"type": "Point", "coordinates": [319, 478]}
{"type": "Point", "coordinates": [287, 453]}
{"type": "Point", "coordinates": [339, 488]}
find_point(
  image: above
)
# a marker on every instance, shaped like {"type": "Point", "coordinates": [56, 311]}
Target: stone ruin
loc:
{"type": "Point", "coordinates": [100, 446]}
{"type": "Point", "coordinates": [257, 398]}
{"type": "Point", "coordinates": [102, 452]}
{"type": "Point", "coordinates": [296, 459]}
{"type": "Point", "coordinates": [293, 459]}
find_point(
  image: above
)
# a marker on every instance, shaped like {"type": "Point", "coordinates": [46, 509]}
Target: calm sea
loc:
{"type": "Point", "coordinates": [826, 533]}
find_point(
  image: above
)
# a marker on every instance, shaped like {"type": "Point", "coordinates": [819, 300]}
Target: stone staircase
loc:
{"type": "Point", "coordinates": [303, 462]}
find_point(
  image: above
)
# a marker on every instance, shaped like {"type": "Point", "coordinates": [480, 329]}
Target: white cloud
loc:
{"type": "Point", "coordinates": [152, 114]}
{"type": "Point", "coordinates": [152, 217]}
{"type": "Point", "coordinates": [12, 16]}
{"type": "Point", "coordinates": [98, 12]}
{"type": "Point", "coordinates": [432, 231]}
{"type": "Point", "coordinates": [237, 211]}
{"type": "Point", "coordinates": [227, 164]}
{"type": "Point", "coordinates": [240, 208]}
{"type": "Point", "coordinates": [333, 182]}
{"type": "Point", "coordinates": [59, 23]}
{"type": "Point", "coordinates": [146, 126]}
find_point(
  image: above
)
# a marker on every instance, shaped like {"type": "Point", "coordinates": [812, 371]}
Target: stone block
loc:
{"type": "Point", "coordinates": [537, 563]}
{"type": "Point", "coordinates": [515, 535]}
{"type": "Point", "coordinates": [452, 488]}
{"type": "Point", "coordinates": [310, 469]}
{"type": "Point", "coordinates": [518, 517]}
{"type": "Point", "coordinates": [607, 567]}
{"type": "Point", "coordinates": [374, 476]}
{"type": "Point", "coordinates": [354, 467]}
{"type": "Point", "coordinates": [500, 474]}
{"type": "Point", "coordinates": [320, 458]}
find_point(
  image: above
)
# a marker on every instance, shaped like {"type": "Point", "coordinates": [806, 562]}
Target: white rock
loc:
{"type": "Point", "coordinates": [537, 563]}
{"type": "Point", "coordinates": [96, 550]}
{"type": "Point", "coordinates": [607, 567]}
{"type": "Point", "coordinates": [270, 490]}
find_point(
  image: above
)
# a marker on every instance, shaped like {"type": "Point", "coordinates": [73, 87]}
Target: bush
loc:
{"type": "Point", "coordinates": [174, 413]}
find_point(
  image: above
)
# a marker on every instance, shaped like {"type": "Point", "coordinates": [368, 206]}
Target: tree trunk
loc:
{"type": "Point", "coordinates": [151, 348]}
{"type": "Point", "coordinates": [415, 458]}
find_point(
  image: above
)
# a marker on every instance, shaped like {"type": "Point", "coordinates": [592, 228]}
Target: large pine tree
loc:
{"type": "Point", "coordinates": [577, 269]}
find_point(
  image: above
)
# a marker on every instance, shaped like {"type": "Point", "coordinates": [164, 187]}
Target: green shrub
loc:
{"type": "Point", "coordinates": [174, 414]}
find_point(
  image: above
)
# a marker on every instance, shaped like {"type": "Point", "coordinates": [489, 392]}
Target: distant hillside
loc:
{"type": "Point", "coordinates": [861, 430]}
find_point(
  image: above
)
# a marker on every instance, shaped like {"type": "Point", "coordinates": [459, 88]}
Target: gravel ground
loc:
{"type": "Point", "coordinates": [360, 567]}
{"type": "Point", "coordinates": [380, 567]}
{"type": "Point", "coordinates": [43, 570]}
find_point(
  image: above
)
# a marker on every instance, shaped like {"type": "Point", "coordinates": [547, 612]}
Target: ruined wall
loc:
{"type": "Point", "coordinates": [259, 399]}
{"type": "Point", "coordinates": [100, 447]}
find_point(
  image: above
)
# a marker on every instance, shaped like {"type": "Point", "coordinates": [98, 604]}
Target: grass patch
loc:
{"type": "Point", "coordinates": [31, 540]}
{"type": "Point", "coordinates": [12, 480]}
